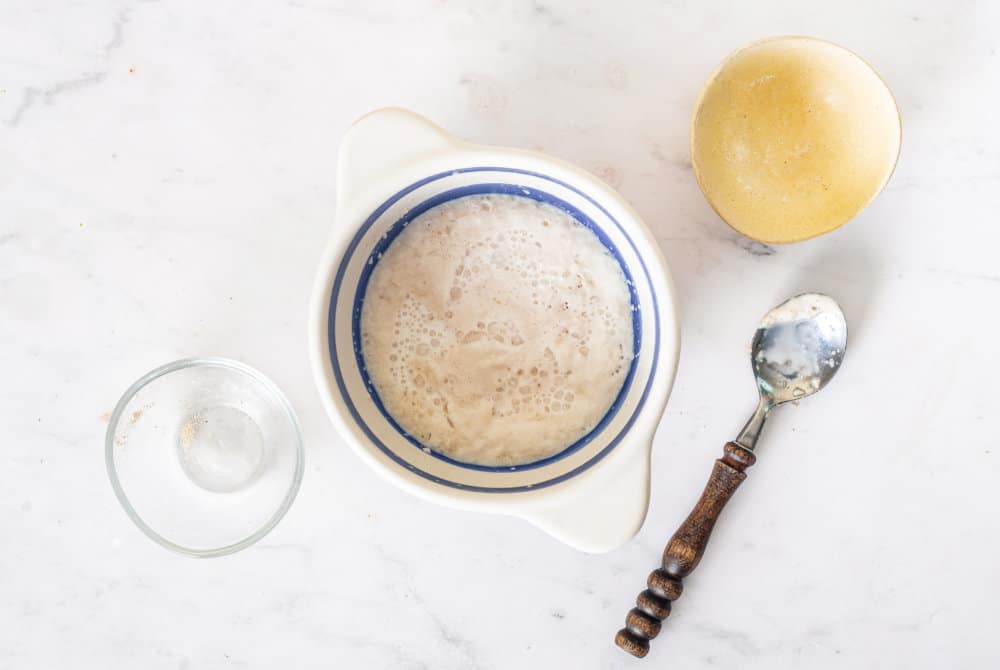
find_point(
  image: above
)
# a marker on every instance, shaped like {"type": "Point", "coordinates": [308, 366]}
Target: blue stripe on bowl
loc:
{"type": "Point", "coordinates": [382, 245]}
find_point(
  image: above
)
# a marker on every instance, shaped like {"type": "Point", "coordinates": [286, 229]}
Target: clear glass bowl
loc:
{"type": "Point", "coordinates": [205, 455]}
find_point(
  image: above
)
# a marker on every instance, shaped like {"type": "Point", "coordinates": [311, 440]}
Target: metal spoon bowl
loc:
{"type": "Point", "coordinates": [798, 347]}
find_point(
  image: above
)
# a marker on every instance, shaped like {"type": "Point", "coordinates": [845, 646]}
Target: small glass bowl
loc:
{"type": "Point", "coordinates": [205, 455]}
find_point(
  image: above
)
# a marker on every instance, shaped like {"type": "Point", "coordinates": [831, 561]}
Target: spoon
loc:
{"type": "Point", "coordinates": [798, 347]}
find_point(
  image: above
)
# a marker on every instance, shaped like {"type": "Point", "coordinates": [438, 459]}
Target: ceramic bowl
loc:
{"type": "Point", "coordinates": [792, 137]}
{"type": "Point", "coordinates": [394, 165]}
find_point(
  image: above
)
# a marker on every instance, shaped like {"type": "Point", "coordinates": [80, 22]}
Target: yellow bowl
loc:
{"type": "Point", "coordinates": [792, 137]}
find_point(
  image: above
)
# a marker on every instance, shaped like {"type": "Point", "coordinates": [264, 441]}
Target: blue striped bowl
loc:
{"type": "Point", "coordinates": [394, 165]}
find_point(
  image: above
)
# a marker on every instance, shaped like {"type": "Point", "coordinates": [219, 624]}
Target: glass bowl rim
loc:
{"type": "Point", "coordinates": [183, 364]}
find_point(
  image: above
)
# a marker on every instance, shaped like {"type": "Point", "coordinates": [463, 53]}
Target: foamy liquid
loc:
{"type": "Point", "coordinates": [496, 329]}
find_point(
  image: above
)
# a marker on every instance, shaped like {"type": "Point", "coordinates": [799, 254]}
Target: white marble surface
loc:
{"type": "Point", "coordinates": [166, 185]}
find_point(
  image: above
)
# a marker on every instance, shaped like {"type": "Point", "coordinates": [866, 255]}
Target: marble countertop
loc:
{"type": "Point", "coordinates": [167, 185]}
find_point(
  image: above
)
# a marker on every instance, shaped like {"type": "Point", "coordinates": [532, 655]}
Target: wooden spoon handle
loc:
{"type": "Point", "coordinates": [683, 552]}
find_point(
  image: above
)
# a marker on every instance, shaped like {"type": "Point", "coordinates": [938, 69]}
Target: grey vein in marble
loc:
{"type": "Point", "coordinates": [50, 93]}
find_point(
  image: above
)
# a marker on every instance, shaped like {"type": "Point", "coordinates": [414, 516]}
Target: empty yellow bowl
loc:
{"type": "Point", "coordinates": [792, 137]}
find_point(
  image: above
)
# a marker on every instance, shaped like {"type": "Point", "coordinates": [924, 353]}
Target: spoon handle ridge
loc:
{"type": "Point", "coordinates": [683, 552]}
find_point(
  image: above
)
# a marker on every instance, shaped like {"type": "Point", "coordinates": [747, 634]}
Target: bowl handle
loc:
{"type": "Point", "coordinates": [384, 140]}
{"type": "Point", "coordinates": [602, 509]}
